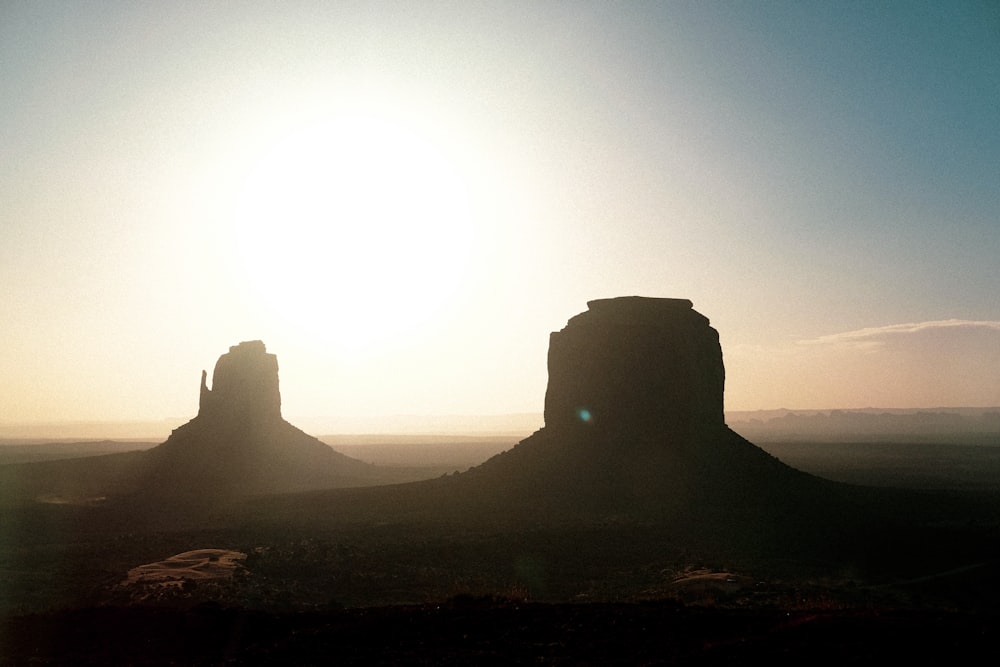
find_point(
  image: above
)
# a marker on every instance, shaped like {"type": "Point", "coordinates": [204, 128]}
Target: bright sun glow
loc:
{"type": "Point", "coordinates": [349, 226]}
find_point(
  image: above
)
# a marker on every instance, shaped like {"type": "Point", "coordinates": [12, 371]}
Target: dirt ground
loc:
{"type": "Point", "coordinates": [479, 631]}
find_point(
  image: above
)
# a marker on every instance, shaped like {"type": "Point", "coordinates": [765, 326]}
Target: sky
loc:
{"type": "Point", "coordinates": [403, 200]}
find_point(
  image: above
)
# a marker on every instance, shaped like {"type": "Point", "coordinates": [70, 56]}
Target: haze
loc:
{"type": "Point", "coordinates": [403, 201]}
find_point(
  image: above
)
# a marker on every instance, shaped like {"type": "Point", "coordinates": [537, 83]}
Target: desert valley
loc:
{"type": "Point", "coordinates": [635, 527]}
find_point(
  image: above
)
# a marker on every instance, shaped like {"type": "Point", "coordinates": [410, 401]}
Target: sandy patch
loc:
{"type": "Point", "coordinates": [709, 580]}
{"type": "Point", "coordinates": [200, 565]}
{"type": "Point", "coordinates": [62, 500]}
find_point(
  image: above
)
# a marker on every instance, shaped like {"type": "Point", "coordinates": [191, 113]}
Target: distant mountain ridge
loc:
{"type": "Point", "coordinates": [928, 424]}
{"type": "Point", "coordinates": [519, 423]}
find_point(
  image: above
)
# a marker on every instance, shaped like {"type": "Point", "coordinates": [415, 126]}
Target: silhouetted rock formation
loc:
{"type": "Point", "coordinates": [240, 445]}
{"type": "Point", "coordinates": [635, 364]}
{"type": "Point", "coordinates": [244, 385]}
{"type": "Point", "coordinates": [634, 430]}
{"type": "Point", "coordinates": [634, 425]}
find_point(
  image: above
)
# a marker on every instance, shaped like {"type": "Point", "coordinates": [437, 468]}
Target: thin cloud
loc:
{"type": "Point", "coordinates": [915, 364]}
{"type": "Point", "coordinates": [875, 337]}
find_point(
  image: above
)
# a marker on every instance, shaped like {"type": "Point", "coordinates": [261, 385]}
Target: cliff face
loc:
{"type": "Point", "coordinates": [635, 364]}
{"type": "Point", "coordinates": [244, 385]}
{"type": "Point", "coordinates": [239, 444]}
{"type": "Point", "coordinates": [634, 425]}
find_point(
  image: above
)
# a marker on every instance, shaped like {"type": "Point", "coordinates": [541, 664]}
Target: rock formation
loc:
{"type": "Point", "coordinates": [634, 425]}
{"type": "Point", "coordinates": [244, 385]}
{"type": "Point", "coordinates": [634, 431]}
{"type": "Point", "coordinates": [239, 444]}
{"type": "Point", "coordinates": [635, 364]}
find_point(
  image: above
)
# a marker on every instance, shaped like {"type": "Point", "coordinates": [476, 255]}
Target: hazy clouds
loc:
{"type": "Point", "coordinates": [185, 176]}
{"type": "Point", "coordinates": [915, 364]}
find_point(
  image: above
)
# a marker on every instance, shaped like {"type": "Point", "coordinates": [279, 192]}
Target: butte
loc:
{"type": "Point", "coordinates": [239, 444]}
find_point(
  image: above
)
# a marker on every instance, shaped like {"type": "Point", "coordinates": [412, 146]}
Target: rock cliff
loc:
{"type": "Point", "coordinates": [244, 385]}
{"type": "Point", "coordinates": [239, 444]}
{"type": "Point", "coordinates": [634, 426]}
{"type": "Point", "coordinates": [635, 364]}
{"type": "Point", "coordinates": [634, 434]}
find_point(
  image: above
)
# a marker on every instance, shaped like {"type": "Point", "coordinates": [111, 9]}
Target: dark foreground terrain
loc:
{"type": "Point", "coordinates": [917, 583]}
{"type": "Point", "coordinates": [598, 594]}
{"type": "Point", "coordinates": [467, 631]}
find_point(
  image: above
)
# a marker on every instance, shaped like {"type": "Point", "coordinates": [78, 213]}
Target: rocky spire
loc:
{"type": "Point", "coordinates": [635, 364]}
{"type": "Point", "coordinates": [244, 385]}
{"type": "Point", "coordinates": [240, 445]}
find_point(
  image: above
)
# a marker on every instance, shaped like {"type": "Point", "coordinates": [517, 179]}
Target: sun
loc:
{"type": "Point", "coordinates": [356, 229]}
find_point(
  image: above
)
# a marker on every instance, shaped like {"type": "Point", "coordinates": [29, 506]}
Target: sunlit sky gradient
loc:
{"type": "Point", "coordinates": [403, 200]}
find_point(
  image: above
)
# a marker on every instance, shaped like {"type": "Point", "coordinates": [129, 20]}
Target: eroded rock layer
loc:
{"type": "Point", "coordinates": [635, 364]}
{"type": "Point", "coordinates": [239, 444]}
{"type": "Point", "coordinates": [244, 385]}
